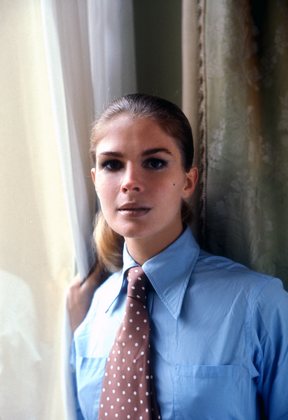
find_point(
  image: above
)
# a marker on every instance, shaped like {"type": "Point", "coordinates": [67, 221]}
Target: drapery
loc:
{"type": "Point", "coordinates": [245, 143]}
{"type": "Point", "coordinates": [36, 248]}
{"type": "Point", "coordinates": [225, 63]}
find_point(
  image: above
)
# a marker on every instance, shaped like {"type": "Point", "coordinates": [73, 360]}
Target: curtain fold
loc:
{"type": "Point", "coordinates": [67, 48]}
{"type": "Point", "coordinates": [112, 50]}
{"type": "Point", "coordinates": [193, 100]}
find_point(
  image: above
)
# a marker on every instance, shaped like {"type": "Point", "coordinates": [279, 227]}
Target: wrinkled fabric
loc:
{"type": "Point", "coordinates": [246, 102]}
{"type": "Point", "coordinates": [219, 337]}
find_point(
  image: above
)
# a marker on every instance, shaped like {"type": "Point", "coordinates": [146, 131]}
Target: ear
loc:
{"type": "Point", "coordinates": [93, 175]}
{"type": "Point", "coordinates": [190, 182]}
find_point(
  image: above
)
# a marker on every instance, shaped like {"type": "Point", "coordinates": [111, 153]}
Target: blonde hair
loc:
{"type": "Point", "coordinates": [109, 244]}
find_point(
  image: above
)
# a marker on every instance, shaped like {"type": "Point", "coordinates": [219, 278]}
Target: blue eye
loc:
{"type": "Point", "coordinates": [112, 165]}
{"type": "Point", "coordinates": [155, 163]}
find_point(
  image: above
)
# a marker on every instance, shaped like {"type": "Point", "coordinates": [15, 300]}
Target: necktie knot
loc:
{"type": "Point", "coordinates": [137, 284]}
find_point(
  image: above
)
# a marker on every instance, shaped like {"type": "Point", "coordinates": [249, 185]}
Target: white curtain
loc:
{"type": "Point", "coordinates": [61, 62]}
{"type": "Point", "coordinates": [36, 248]}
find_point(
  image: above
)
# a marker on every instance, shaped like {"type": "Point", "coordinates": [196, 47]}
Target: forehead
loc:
{"type": "Point", "coordinates": [127, 130]}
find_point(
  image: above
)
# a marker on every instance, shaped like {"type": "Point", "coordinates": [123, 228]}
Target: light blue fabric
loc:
{"type": "Point", "coordinates": [219, 337]}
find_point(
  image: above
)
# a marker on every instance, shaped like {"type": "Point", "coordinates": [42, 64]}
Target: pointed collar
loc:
{"type": "Point", "coordinates": [169, 272]}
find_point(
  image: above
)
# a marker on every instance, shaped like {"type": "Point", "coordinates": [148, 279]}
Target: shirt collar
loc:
{"type": "Point", "coordinates": [169, 271]}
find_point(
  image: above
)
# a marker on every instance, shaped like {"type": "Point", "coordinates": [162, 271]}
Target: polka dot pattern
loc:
{"type": "Point", "coordinates": [127, 389]}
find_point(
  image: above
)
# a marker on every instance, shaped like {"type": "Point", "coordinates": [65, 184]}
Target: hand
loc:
{"type": "Point", "coordinates": [80, 296]}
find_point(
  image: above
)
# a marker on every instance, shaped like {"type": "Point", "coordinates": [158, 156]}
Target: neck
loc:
{"type": "Point", "coordinates": [142, 249]}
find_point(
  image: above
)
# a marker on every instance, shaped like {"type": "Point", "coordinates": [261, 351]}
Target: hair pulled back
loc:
{"type": "Point", "coordinates": [172, 121]}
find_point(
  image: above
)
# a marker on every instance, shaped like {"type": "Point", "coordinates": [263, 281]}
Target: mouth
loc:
{"type": "Point", "coordinates": [133, 210]}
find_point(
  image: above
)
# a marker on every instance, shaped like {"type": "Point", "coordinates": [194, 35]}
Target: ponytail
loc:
{"type": "Point", "coordinates": [109, 245]}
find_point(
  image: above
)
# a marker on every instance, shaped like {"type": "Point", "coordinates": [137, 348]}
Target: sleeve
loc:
{"type": "Point", "coordinates": [78, 413]}
{"type": "Point", "coordinates": [271, 316]}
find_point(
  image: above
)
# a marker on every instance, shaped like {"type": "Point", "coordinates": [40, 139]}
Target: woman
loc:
{"type": "Point", "coordinates": [218, 331]}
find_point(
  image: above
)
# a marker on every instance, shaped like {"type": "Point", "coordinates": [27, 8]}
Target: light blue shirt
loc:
{"type": "Point", "coordinates": [219, 337]}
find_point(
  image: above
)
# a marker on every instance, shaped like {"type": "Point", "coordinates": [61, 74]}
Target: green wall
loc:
{"type": "Point", "coordinates": [158, 47]}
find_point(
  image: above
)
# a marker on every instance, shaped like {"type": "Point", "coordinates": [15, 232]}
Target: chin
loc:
{"type": "Point", "coordinates": [132, 232]}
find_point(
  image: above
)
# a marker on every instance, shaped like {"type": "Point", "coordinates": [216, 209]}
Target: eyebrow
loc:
{"type": "Point", "coordinates": [156, 150]}
{"type": "Point", "coordinates": [145, 153]}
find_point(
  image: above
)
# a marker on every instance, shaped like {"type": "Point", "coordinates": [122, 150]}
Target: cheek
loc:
{"type": "Point", "coordinates": [105, 201]}
{"type": "Point", "coordinates": [164, 185]}
{"type": "Point", "coordinates": [106, 191]}
{"type": "Point", "coordinates": [103, 192]}
{"type": "Point", "coordinates": [103, 183]}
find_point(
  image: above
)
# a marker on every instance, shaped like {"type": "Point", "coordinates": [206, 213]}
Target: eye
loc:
{"type": "Point", "coordinates": [112, 165]}
{"type": "Point", "coordinates": [155, 163]}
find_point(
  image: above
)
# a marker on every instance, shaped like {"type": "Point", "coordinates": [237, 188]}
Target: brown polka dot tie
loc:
{"type": "Point", "coordinates": [127, 390]}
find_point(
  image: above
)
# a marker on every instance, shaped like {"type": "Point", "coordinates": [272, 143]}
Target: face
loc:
{"type": "Point", "coordinates": [140, 181]}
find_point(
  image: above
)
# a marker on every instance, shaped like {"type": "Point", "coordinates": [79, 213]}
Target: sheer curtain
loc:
{"type": "Point", "coordinates": [36, 251]}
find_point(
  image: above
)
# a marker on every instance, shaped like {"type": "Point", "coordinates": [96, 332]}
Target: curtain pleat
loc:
{"type": "Point", "coordinates": [112, 50]}
{"type": "Point", "coordinates": [193, 104]}
{"type": "Point", "coordinates": [67, 47]}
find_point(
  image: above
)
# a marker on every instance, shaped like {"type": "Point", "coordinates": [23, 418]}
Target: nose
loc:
{"type": "Point", "coordinates": [132, 179]}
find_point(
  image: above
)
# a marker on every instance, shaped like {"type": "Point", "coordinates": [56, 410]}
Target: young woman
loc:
{"type": "Point", "coordinates": [218, 331]}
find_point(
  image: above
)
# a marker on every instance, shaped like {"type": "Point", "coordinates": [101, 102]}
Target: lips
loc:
{"type": "Point", "coordinates": [133, 209]}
